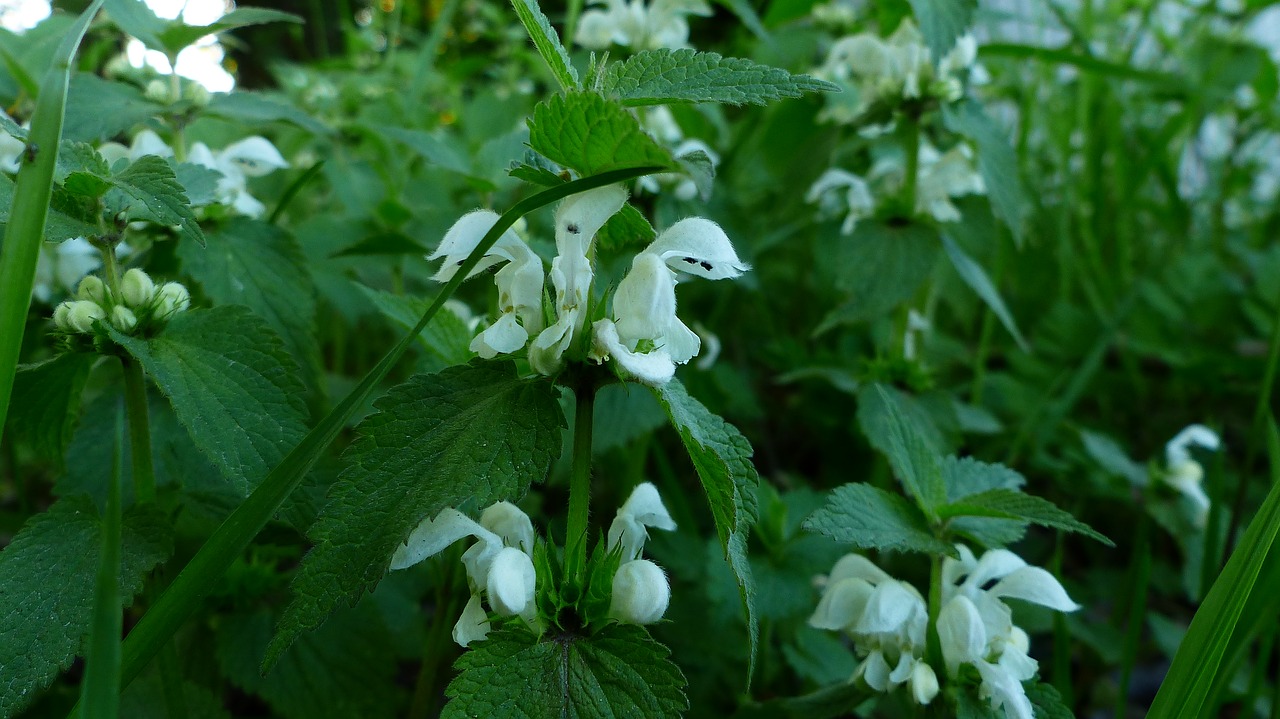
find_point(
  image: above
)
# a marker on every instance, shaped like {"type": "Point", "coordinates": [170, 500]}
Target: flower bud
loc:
{"type": "Point", "coordinates": [123, 318]}
{"type": "Point", "coordinates": [195, 92]}
{"type": "Point", "coordinates": [640, 593]}
{"type": "Point", "coordinates": [92, 289]}
{"type": "Point", "coordinates": [136, 288]}
{"type": "Point", "coordinates": [60, 317]}
{"type": "Point", "coordinates": [158, 91]}
{"type": "Point", "coordinates": [172, 297]}
{"type": "Point", "coordinates": [511, 582]}
{"type": "Point", "coordinates": [82, 313]}
{"type": "Point", "coordinates": [924, 683]}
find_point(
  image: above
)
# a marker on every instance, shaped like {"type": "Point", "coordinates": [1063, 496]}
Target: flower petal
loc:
{"type": "Point", "coordinates": [994, 564]}
{"type": "Point", "coordinates": [1004, 690]}
{"type": "Point", "coordinates": [1196, 435]}
{"type": "Point", "coordinates": [646, 506]}
{"type": "Point", "coordinates": [511, 582]}
{"type": "Point", "coordinates": [890, 608]}
{"type": "Point", "coordinates": [463, 236]}
{"type": "Point", "coordinates": [254, 156]}
{"type": "Point", "coordinates": [502, 337]}
{"type": "Point", "coordinates": [645, 302]}
{"type": "Point", "coordinates": [856, 565]}
{"type": "Point", "coordinates": [962, 634]}
{"type": "Point", "coordinates": [511, 523]}
{"type": "Point", "coordinates": [473, 625]}
{"type": "Point", "coordinates": [581, 216]}
{"type": "Point", "coordinates": [652, 368]}
{"type": "Point", "coordinates": [433, 535]}
{"type": "Point", "coordinates": [1037, 586]}
{"type": "Point", "coordinates": [698, 246]}
{"type": "Point", "coordinates": [842, 604]}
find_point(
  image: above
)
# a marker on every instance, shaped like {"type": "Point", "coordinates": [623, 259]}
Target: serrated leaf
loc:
{"type": "Point", "coordinates": [627, 228]}
{"type": "Point", "coordinates": [199, 183]}
{"type": "Point", "coordinates": [256, 108]}
{"type": "Point", "coordinates": [258, 265]}
{"type": "Point", "coordinates": [976, 277]}
{"type": "Point", "coordinates": [446, 341]}
{"type": "Point", "coordinates": [46, 597]}
{"type": "Point", "coordinates": [663, 77]}
{"type": "Point", "coordinates": [722, 458]}
{"type": "Point", "coordinates": [1047, 701]}
{"type": "Point", "coordinates": [1012, 504]}
{"type": "Point", "coordinates": [343, 670]}
{"type": "Point", "coordinates": [617, 672]}
{"type": "Point", "coordinates": [880, 266]}
{"type": "Point", "coordinates": [997, 161]}
{"type": "Point", "coordinates": [942, 22]}
{"type": "Point", "coordinates": [547, 41]}
{"type": "Point", "coordinates": [871, 518]}
{"type": "Point", "coordinates": [59, 225]}
{"type": "Point", "coordinates": [136, 18]}
{"type": "Point", "coordinates": [535, 175]}
{"type": "Point", "coordinates": [46, 402]}
{"type": "Point", "coordinates": [151, 192]}
{"type": "Point", "coordinates": [586, 132]}
{"type": "Point", "coordinates": [99, 109]}
{"type": "Point", "coordinates": [474, 433]}
{"type": "Point", "coordinates": [80, 157]}
{"type": "Point", "coordinates": [916, 463]}
{"type": "Point", "coordinates": [966, 476]}
{"type": "Point", "coordinates": [176, 35]}
{"type": "Point", "coordinates": [231, 384]}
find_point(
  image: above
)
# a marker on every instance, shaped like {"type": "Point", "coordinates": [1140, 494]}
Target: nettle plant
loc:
{"type": "Point", "coordinates": [556, 614]}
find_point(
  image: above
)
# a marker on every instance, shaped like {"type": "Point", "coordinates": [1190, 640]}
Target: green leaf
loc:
{"type": "Point", "coordinates": [748, 16]}
{"type": "Point", "coordinates": [251, 263]}
{"type": "Point", "coordinates": [343, 670]}
{"type": "Point", "coordinates": [176, 35]}
{"type": "Point", "coordinates": [663, 77]}
{"type": "Point", "coordinates": [200, 183]}
{"type": "Point", "coordinates": [967, 476]}
{"type": "Point", "coordinates": [870, 518]}
{"type": "Point", "coordinates": [150, 191]}
{"type": "Point", "coordinates": [46, 402]}
{"type": "Point", "coordinates": [916, 463]}
{"type": "Point", "coordinates": [942, 22]}
{"type": "Point", "coordinates": [47, 593]}
{"type": "Point", "coordinates": [590, 134]}
{"type": "Point", "coordinates": [997, 162]}
{"type": "Point", "coordinates": [475, 433]}
{"type": "Point", "coordinates": [974, 276]}
{"type": "Point", "coordinates": [628, 228]}
{"type": "Point", "coordinates": [617, 672]}
{"type": "Point", "coordinates": [535, 175]}
{"type": "Point", "coordinates": [59, 225]}
{"type": "Point", "coordinates": [547, 41]}
{"type": "Point", "coordinates": [446, 342]}
{"type": "Point", "coordinates": [879, 266]}
{"type": "Point", "coordinates": [253, 108]}
{"type": "Point", "coordinates": [137, 19]}
{"type": "Point", "coordinates": [1012, 504]}
{"type": "Point", "coordinates": [700, 168]}
{"type": "Point", "coordinates": [722, 458]}
{"type": "Point", "coordinates": [1047, 701]}
{"type": "Point", "coordinates": [231, 384]}
{"type": "Point", "coordinates": [99, 109]}
{"type": "Point", "coordinates": [1185, 688]}
{"type": "Point", "coordinates": [436, 150]}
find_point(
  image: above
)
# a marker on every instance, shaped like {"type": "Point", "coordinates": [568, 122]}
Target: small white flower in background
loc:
{"type": "Point", "coordinates": [11, 151]}
{"type": "Point", "coordinates": [61, 266]}
{"type": "Point", "coordinates": [146, 142]}
{"type": "Point", "coordinates": [976, 627]}
{"type": "Point", "coordinates": [251, 157]}
{"type": "Point", "coordinates": [500, 564]}
{"type": "Point", "coordinates": [645, 337]}
{"type": "Point", "coordinates": [839, 191]}
{"type": "Point", "coordinates": [944, 176]}
{"type": "Point", "coordinates": [519, 282]}
{"type": "Point", "coordinates": [662, 126]}
{"type": "Point", "coordinates": [578, 219]}
{"type": "Point", "coordinates": [916, 324]}
{"type": "Point", "coordinates": [1184, 473]}
{"type": "Point", "coordinates": [641, 591]}
{"type": "Point", "coordinates": [637, 24]}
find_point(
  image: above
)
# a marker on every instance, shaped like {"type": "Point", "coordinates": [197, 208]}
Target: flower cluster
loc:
{"type": "Point", "coordinates": [637, 24]}
{"type": "Point", "coordinates": [888, 622]}
{"type": "Point", "coordinates": [138, 305]}
{"type": "Point", "coordinates": [643, 335]}
{"type": "Point", "coordinates": [1184, 473]}
{"type": "Point", "coordinates": [941, 177]}
{"type": "Point", "coordinates": [500, 565]}
{"type": "Point", "coordinates": [885, 73]}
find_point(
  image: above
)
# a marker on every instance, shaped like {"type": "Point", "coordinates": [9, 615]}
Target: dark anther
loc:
{"type": "Point", "coordinates": [573, 229]}
{"type": "Point", "coordinates": [691, 260]}
{"type": "Point", "coordinates": [706, 266]}
{"type": "Point", "coordinates": [31, 150]}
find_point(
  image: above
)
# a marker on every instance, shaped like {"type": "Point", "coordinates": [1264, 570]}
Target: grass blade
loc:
{"type": "Point", "coordinates": [31, 197]}
{"type": "Point", "coordinates": [1190, 680]}
{"type": "Point", "coordinates": [206, 568]}
{"type": "Point", "coordinates": [100, 694]}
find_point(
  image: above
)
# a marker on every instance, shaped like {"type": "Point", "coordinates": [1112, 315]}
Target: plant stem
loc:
{"type": "Point", "coordinates": [933, 643]}
{"type": "Point", "coordinates": [175, 91]}
{"type": "Point", "coordinates": [135, 393]}
{"type": "Point", "coordinates": [911, 146]}
{"type": "Point", "coordinates": [100, 692]}
{"type": "Point", "coordinates": [1141, 563]}
{"type": "Point", "coordinates": [436, 649]}
{"type": "Point", "coordinates": [575, 541]}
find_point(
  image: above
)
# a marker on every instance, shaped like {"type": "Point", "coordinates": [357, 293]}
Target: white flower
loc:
{"type": "Point", "coordinates": [78, 316]}
{"type": "Point", "coordinates": [61, 266]}
{"type": "Point", "coordinates": [640, 26]}
{"type": "Point", "coordinates": [146, 142]}
{"type": "Point", "coordinates": [11, 151]}
{"type": "Point", "coordinates": [92, 288]}
{"type": "Point", "coordinates": [171, 298]}
{"type": "Point", "coordinates": [519, 283]}
{"type": "Point", "coordinates": [473, 625]}
{"type": "Point", "coordinates": [839, 191]}
{"type": "Point", "coordinates": [251, 157]}
{"type": "Point", "coordinates": [923, 683]}
{"type": "Point", "coordinates": [645, 337]}
{"type": "Point", "coordinates": [641, 593]}
{"type": "Point", "coordinates": [508, 521]}
{"type": "Point", "coordinates": [642, 509]}
{"type": "Point", "coordinates": [940, 177]}
{"type": "Point", "coordinates": [1184, 473]}
{"type": "Point", "coordinates": [511, 582]}
{"type": "Point", "coordinates": [578, 219]}
{"type": "Point", "coordinates": [136, 288]}
{"type": "Point", "coordinates": [123, 318]}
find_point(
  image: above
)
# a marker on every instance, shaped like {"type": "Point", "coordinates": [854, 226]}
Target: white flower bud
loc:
{"type": "Point", "coordinates": [641, 593]}
{"type": "Point", "coordinates": [92, 289]}
{"type": "Point", "coordinates": [924, 683]}
{"type": "Point", "coordinates": [82, 313]}
{"type": "Point", "coordinates": [507, 521]}
{"type": "Point", "coordinates": [195, 92]}
{"type": "Point", "coordinates": [171, 297]}
{"type": "Point", "coordinates": [136, 288]}
{"type": "Point", "coordinates": [60, 317]}
{"type": "Point", "coordinates": [123, 318]}
{"type": "Point", "coordinates": [511, 582]}
{"type": "Point", "coordinates": [158, 91]}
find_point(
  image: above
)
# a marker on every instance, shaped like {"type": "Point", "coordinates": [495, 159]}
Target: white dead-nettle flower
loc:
{"type": "Point", "coordinates": [251, 157]}
{"type": "Point", "coordinates": [519, 282]}
{"type": "Point", "coordinates": [917, 324]}
{"type": "Point", "coordinates": [637, 24]}
{"type": "Point", "coordinates": [578, 219]}
{"type": "Point", "coordinates": [886, 619]}
{"type": "Point", "coordinates": [976, 627]}
{"type": "Point", "coordinates": [876, 71]}
{"type": "Point", "coordinates": [645, 337]}
{"type": "Point", "coordinates": [641, 591]}
{"type": "Point", "coordinates": [839, 192]}
{"type": "Point", "coordinates": [62, 265]}
{"type": "Point", "coordinates": [146, 142]}
{"type": "Point", "coordinates": [1184, 473]}
{"type": "Point", "coordinates": [662, 126]}
{"type": "Point", "coordinates": [499, 567]}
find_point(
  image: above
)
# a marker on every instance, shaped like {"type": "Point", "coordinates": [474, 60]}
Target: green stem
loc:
{"type": "Point", "coordinates": [580, 479]}
{"type": "Point", "coordinates": [933, 643]}
{"type": "Point", "coordinates": [1141, 563]}
{"type": "Point", "coordinates": [135, 393]}
{"type": "Point", "coordinates": [911, 145]}
{"type": "Point", "coordinates": [425, 690]}
{"type": "Point", "coordinates": [175, 91]}
{"type": "Point", "coordinates": [572, 13]}
{"type": "Point", "coordinates": [110, 267]}
{"type": "Point", "coordinates": [100, 693]}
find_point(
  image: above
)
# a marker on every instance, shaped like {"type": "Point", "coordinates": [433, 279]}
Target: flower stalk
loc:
{"type": "Point", "coordinates": [135, 395]}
